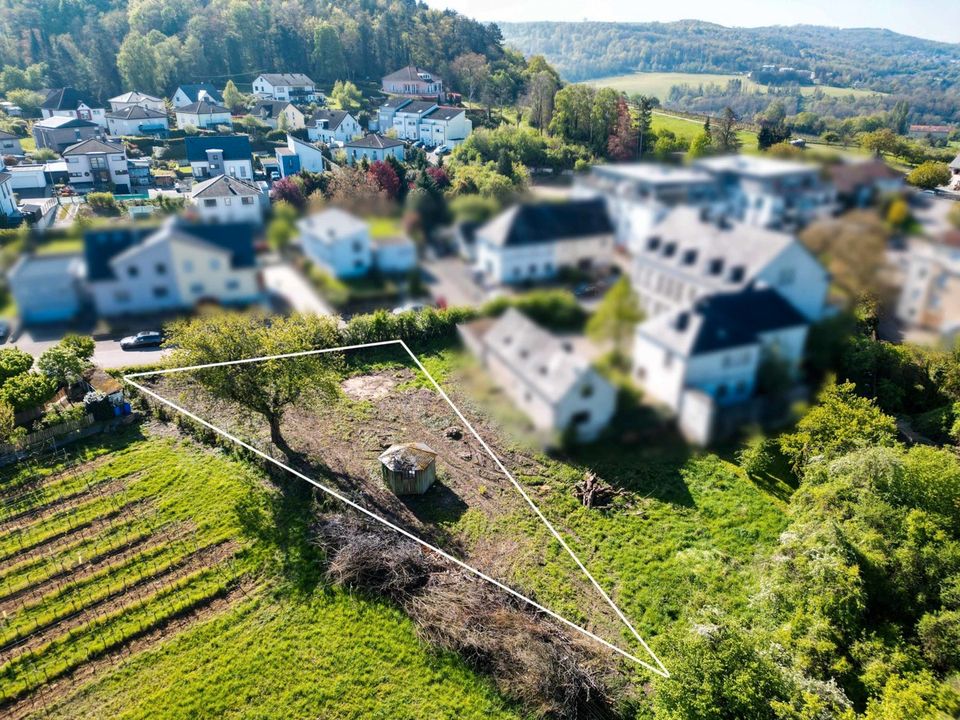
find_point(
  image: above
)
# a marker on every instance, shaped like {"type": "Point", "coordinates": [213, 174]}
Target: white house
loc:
{"type": "Point", "coordinates": [688, 256]}
{"type": "Point", "coordinates": [68, 102]}
{"type": "Point", "coordinates": [337, 241]}
{"type": "Point", "coordinates": [333, 127]}
{"type": "Point", "coordinates": [171, 268]}
{"type": "Point", "coordinates": [288, 87]}
{"type": "Point", "coordinates": [8, 202]}
{"type": "Point", "coordinates": [137, 99]}
{"type": "Point", "coordinates": [225, 199]}
{"type": "Point", "coordinates": [412, 80]}
{"type": "Point", "coordinates": [46, 288]}
{"type": "Point", "coordinates": [930, 296]}
{"type": "Point", "coordinates": [97, 163]}
{"type": "Point", "coordinates": [436, 125]}
{"type": "Point", "coordinates": [407, 117]}
{"type": "Point", "coordinates": [270, 112]}
{"type": "Point", "coordinates": [137, 120]}
{"type": "Point", "coordinates": [189, 94]}
{"type": "Point", "coordinates": [373, 147]}
{"type": "Point", "coordinates": [394, 255]}
{"type": "Point", "coordinates": [10, 144]}
{"type": "Point", "coordinates": [211, 155]}
{"type": "Point", "coordinates": [770, 192]}
{"type": "Point", "coordinates": [299, 155]}
{"type": "Point", "coordinates": [543, 375]}
{"type": "Point", "coordinates": [706, 356]}
{"type": "Point", "coordinates": [28, 179]}
{"type": "Point", "coordinates": [203, 114]}
{"type": "Point", "coordinates": [532, 242]}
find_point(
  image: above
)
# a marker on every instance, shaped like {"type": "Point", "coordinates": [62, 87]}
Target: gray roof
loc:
{"type": "Point", "coordinates": [395, 102]}
{"type": "Point", "coordinates": [720, 254]}
{"type": "Point", "coordinates": [4, 135]}
{"type": "Point", "coordinates": [42, 267]}
{"type": "Point", "coordinates": [193, 91]}
{"type": "Point", "coordinates": [722, 322]}
{"type": "Point", "coordinates": [269, 108]}
{"type": "Point", "coordinates": [545, 362]}
{"type": "Point", "coordinates": [331, 224]}
{"type": "Point", "coordinates": [4, 176]}
{"type": "Point", "coordinates": [65, 99]}
{"type": "Point", "coordinates": [545, 222]}
{"type": "Point", "coordinates": [652, 174]}
{"type": "Point", "coordinates": [755, 166]}
{"type": "Point", "coordinates": [133, 97]}
{"type": "Point", "coordinates": [417, 107]}
{"type": "Point", "coordinates": [92, 145]}
{"type": "Point", "coordinates": [444, 112]}
{"type": "Point", "coordinates": [286, 78]}
{"type": "Point", "coordinates": [136, 112]}
{"type": "Point", "coordinates": [204, 107]}
{"type": "Point", "coordinates": [408, 456]}
{"type": "Point", "coordinates": [410, 72]}
{"type": "Point", "coordinates": [223, 186]}
{"type": "Point", "coordinates": [374, 140]}
{"type": "Point", "coordinates": [59, 121]}
{"type": "Point", "coordinates": [955, 163]}
{"type": "Point", "coordinates": [333, 118]}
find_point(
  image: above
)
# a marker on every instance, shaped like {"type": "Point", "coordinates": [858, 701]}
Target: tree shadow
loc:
{"type": "Point", "coordinates": [439, 505]}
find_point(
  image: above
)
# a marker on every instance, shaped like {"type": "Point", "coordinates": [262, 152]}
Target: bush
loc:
{"type": "Point", "coordinates": [554, 309]}
{"type": "Point", "coordinates": [27, 391]}
{"type": "Point", "coordinates": [757, 456]}
{"type": "Point", "coordinates": [103, 203]}
{"type": "Point", "coordinates": [334, 291]}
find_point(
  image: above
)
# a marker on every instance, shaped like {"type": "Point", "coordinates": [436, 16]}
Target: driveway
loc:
{"type": "Point", "coordinates": [294, 290]}
{"type": "Point", "coordinates": [451, 278]}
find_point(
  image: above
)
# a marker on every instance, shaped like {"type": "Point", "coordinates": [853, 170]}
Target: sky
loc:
{"type": "Point", "coordinates": [933, 19]}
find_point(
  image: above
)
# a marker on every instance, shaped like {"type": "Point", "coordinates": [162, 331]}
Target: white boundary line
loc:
{"type": "Point", "coordinates": [659, 670]}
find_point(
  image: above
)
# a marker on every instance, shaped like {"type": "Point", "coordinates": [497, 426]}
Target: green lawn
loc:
{"type": "Point", "coordinates": [60, 245]}
{"type": "Point", "coordinates": [384, 227]}
{"type": "Point", "coordinates": [659, 84]}
{"type": "Point", "coordinates": [689, 129]}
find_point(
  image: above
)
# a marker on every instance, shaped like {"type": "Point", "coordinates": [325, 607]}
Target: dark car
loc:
{"type": "Point", "coordinates": [145, 339]}
{"type": "Point", "coordinates": [4, 330]}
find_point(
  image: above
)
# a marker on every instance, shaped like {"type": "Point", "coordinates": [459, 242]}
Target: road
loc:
{"type": "Point", "coordinates": [451, 278]}
{"type": "Point", "coordinates": [283, 280]}
{"type": "Point", "coordinates": [107, 353]}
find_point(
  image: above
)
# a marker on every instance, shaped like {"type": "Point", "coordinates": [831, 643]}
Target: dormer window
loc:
{"type": "Point", "coordinates": [689, 257]}
{"type": "Point", "coordinates": [716, 266]}
{"type": "Point", "coordinates": [653, 244]}
{"type": "Point", "coordinates": [670, 249]}
{"type": "Point", "coordinates": [737, 273]}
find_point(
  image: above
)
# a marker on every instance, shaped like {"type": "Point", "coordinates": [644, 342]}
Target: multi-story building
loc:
{"type": "Point", "coordinates": [337, 241]}
{"type": "Point", "coordinates": [333, 127]}
{"type": "Point", "coordinates": [930, 296]}
{"type": "Point", "coordinates": [60, 132]}
{"type": "Point", "coordinates": [225, 199]}
{"type": "Point", "coordinates": [137, 120]}
{"type": "Point", "coordinates": [296, 88]}
{"type": "Point", "coordinates": [373, 147]}
{"type": "Point", "coordinates": [8, 201]}
{"type": "Point", "coordinates": [212, 155]}
{"type": "Point", "coordinates": [298, 155]}
{"type": "Point", "coordinates": [435, 125]}
{"type": "Point", "coordinates": [97, 164]}
{"type": "Point", "coordinates": [137, 99]}
{"type": "Point", "coordinates": [413, 81]}
{"type": "Point", "coordinates": [270, 112]}
{"type": "Point", "coordinates": [10, 144]}
{"type": "Point", "coordinates": [68, 102]}
{"type": "Point", "coordinates": [203, 114]}
{"type": "Point", "coordinates": [189, 94]}
{"type": "Point", "coordinates": [532, 242]}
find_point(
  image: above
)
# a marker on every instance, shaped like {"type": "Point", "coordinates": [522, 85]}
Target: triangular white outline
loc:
{"type": "Point", "coordinates": [659, 670]}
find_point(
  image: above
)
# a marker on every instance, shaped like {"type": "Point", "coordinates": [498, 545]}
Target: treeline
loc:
{"type": "Point", "coordinates": [105, 46]}
{"type": "Point", "coordinates": [858, 58]}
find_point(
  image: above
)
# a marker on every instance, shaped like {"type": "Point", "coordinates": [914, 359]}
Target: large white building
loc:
{"type": "Point", "coordinates": [435, 125]}
{"type": "Point", "coordinates": [136, 120]}
{"type": "Point", "coordinates": [68, 102]}
{"type": "Point", "coordinates": [188, 94]}
{"type": "Point", "coordinates": [688, 256]}
{"type": "Point", "coordinates": [289, 87]}
{"type": "Point", "coordinates": [333, 127]}
{"type": "Point", "coordinates": [225, 199]}
{"type": "Point", "coordinates": [557, 389]}
{"type": "Point", "coordinates": [137, 99]}
{"type": "Point", "coordinates": [930, 296]}
{"type": "Point", "coordinates": [131, 271]}
{"type": "Point", "coordinates": [98, 163]}
{"type": "Point", "coordinates": [203, 114]}
{"type": "Point", "coordinates": [532, 242]}
{"type": "Point", "coordinates": [337, 241]}
{"type": "Point", "coordinates": [212, 155]}
{"type": "Point", "coordinates": [298, 155]}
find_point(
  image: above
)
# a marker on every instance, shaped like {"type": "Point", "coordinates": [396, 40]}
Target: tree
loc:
{"type": "Point", "coordinates": [233, 98]}
{"type": "Point", "coordinates": [14, 361]}
{"type": "Point", "coordinates": [346, 95]}
{"type": "Point", "coordinates": [27, 391]}
{"type": "Point", "coordinates": [471, 72]}
{"type": "Point", "coordinates": [929, 175]}
{"type": "Point", "coordinates": [426, 205]}
{"type": "Point", "coordinates": [290, 191]}
{"type": "Point", "coordinates": [65, 362]}
{"type": "Point", "coordinates": [772, 132]}
{"type": "Point", "coordinates": [622, 142]}
{"type": "Point", "coordinates": [7, 421]}
{"type": "Point", "coordinates": [700, 146]}
{"type": "Point", "coordinates": [853, 249]}
{"type": "Point", "coordinates": [644, 105]}
{"type": "Point", "coordinates": [882, 141]}
{"type": "Point", "coordinates": [839, 423]}
{"type": "Point", "coordinates": [329, 62]}
{"type": "Point", "coordinates": [383, 175]}
{"type": "Point", "coordinates": [538, 100]}
{"type": "Point", "coordinates": [919, 695]}
{"type": "Point", "coordinates": [725, 138]}
{"type": "Point", "coordinates": [954, 215]}
{"type": "Point", "coordinates": [27, 100]}
{"type": "Point", "coordinates": [898, 214]}
{"type": "Point", "coordinates": [267, 388]}
{"type": "Point", "coordinates": [281, 229]}
{"type": "Point", "coordinates": [616, 317]}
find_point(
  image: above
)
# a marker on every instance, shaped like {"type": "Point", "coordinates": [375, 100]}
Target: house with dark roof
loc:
{"type": "Point", "coordinates": [531, 242]}
{"type": "Point", "coordinates": [373, 147]}
{"type": "Point", "coordinates": [543, 374]}
{"type": "Point", "coordinates": [225, 199]}
{"type": "Point", "coordinates": [10, 144]}
{"type": "Point", "coordinates": [69, 102]}
{"type": "Point", "coordinates": [203, 114]}
{"type": "Point", "coordinates": [269, 112]}
{"type": "Point", "coordinates": [414, 81]}
{"type": "Point", "coordinates": [133, 270]}
{"type": "Point", "coordinates": [705, 357]}
{"type": "Point", "coordinates": [188, 94]}
{"type": "Point", "coordinates": [296, 88]}
{"type": "Point", "coordinates": [333, 127]}
{"type": "Point", "coordinates": [212, 155]}
{"type": "Point", "coordinates": [59, 132]}
{"type": "Point", "coordinates": [861, 183]}
{"type": "Point", "coordinates": [137, 120]}
{"type": "Point", "coordinates": [97, 164]}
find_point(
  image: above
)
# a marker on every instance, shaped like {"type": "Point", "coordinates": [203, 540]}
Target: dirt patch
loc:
{"type": "Point", "coordinates": [368, 387]}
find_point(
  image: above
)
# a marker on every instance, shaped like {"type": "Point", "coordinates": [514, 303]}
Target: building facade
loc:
{"type": "Point", "coordinates": [295, 88]}
{"type": "Point", "coordinates": [98, 164]}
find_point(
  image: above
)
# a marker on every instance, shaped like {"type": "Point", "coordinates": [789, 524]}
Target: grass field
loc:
{"type": "Point", "coordinates": [135, 571]}
{"type": "Point", "coordinates": [689, 129]}
{"type": "Point", "coordinates": [659, 84]}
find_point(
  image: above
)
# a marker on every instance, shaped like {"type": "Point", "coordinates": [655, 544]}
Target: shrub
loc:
{"type": "Point", "coordinates": [103, 203]}
{"type": "Point", "coordinates": [26, 391]}
{"type": "Point", "coordinates": [555, 309]}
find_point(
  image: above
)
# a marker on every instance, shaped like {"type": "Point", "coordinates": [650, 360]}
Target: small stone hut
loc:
{"type": "Point", "coordinates": [409, 468]}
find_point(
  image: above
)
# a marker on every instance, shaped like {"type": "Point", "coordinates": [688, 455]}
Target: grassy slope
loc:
{"type": "Point", "coordinates": [295, 653]}
{"type": "Point", "coordinates": [659, 83]}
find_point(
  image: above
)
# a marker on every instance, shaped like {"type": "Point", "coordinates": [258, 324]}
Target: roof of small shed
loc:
{"type": "Point", "coordinates": [407, 456]}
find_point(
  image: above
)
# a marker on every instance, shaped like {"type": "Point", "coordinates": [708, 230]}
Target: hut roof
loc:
{"type": "Point", "coordinates": [102, 381]}
{"type": "Point", "coordinates": [407, 456]}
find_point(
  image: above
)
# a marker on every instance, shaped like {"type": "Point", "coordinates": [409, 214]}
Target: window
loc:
{"type": "Point", "coordinates": [133, 271]}
{"type": "Point", "coordinates": [209, 202]}
{"type": "Point", "coordinates": [722, 390]}
{"type": "Point", "coordinates": [581, 418]}
{"type": "Point", "coordinates": [121, 296]}
{"type": "Point", "coordinates": [197, 288]}
{"type": "Point", "coordinates": [161, 268]}
{"type": "Point", "coordinates": [586, 391]}
{"type": "Point", "coordinates": [233, 285]}
{"type": "Point", "coordinates": [188, 266]}
{"type": "Point", "coordinates": [246, 201]}
{"type": "Point", "coordinates": [737, 273]}
{"type": "Point", "coordinates": [669, 249]}
{"type": "Point", "coordinates": [160, 292]}
{"type": "Point", "coordinates": [716, 266]}
{"type": "Point", "coordinates": [214, 263]}
{"type": "Point", "coordinates": [226, 201]}
{"type": "Point", "coordinates": [653, 243]}
{"type": "Point", "coordinates": [357, 246]}
{"type": "Point", "coordinates": [689, 257]}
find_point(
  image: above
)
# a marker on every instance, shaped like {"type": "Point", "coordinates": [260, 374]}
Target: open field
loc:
{"type": "Point", "coordinates": [132, 570]}
{"type": "Point", "coordinates": [689, 129]}
{"type": "Point", "coordinates": [659, 84]}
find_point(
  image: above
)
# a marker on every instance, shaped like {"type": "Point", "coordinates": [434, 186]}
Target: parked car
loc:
{"type": "Point", "coordinates": [4, 330]}
{"type": "Point", "coordinates": [409, 306]}
{"type": "Point", "coordinates": [442, 150]}
{"type": "Point", "coordinates": [144, 339]}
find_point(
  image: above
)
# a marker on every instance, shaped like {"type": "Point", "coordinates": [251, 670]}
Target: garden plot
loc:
{"type": "Point", "coordinates": [473, 512]}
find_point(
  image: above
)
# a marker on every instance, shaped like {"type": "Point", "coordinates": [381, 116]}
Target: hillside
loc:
{"type": "Point", "coordinates": [105, 46]}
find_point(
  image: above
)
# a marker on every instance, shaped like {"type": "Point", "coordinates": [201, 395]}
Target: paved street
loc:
{"type": "Point", "coordinates": [107, 354]}
{"type": "Point", "coordinates": [282, 280]}
{"type": "Point", "coordinates": [450, 278]}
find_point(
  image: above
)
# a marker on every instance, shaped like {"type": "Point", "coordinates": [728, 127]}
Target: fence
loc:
{"type": "Point", "coordinates": [40, 436]}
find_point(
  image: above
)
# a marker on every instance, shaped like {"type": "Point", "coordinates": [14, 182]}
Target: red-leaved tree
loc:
{"type": "Point", "coordinates": [384, 177]}
{"type": "Point", "coordinates": [622, 143]}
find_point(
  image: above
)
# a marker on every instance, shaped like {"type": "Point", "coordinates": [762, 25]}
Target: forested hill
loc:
{"type": "Point", "coordinates": [105, 46]}
{"type": "Point", "coordinates": [876, 59]}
